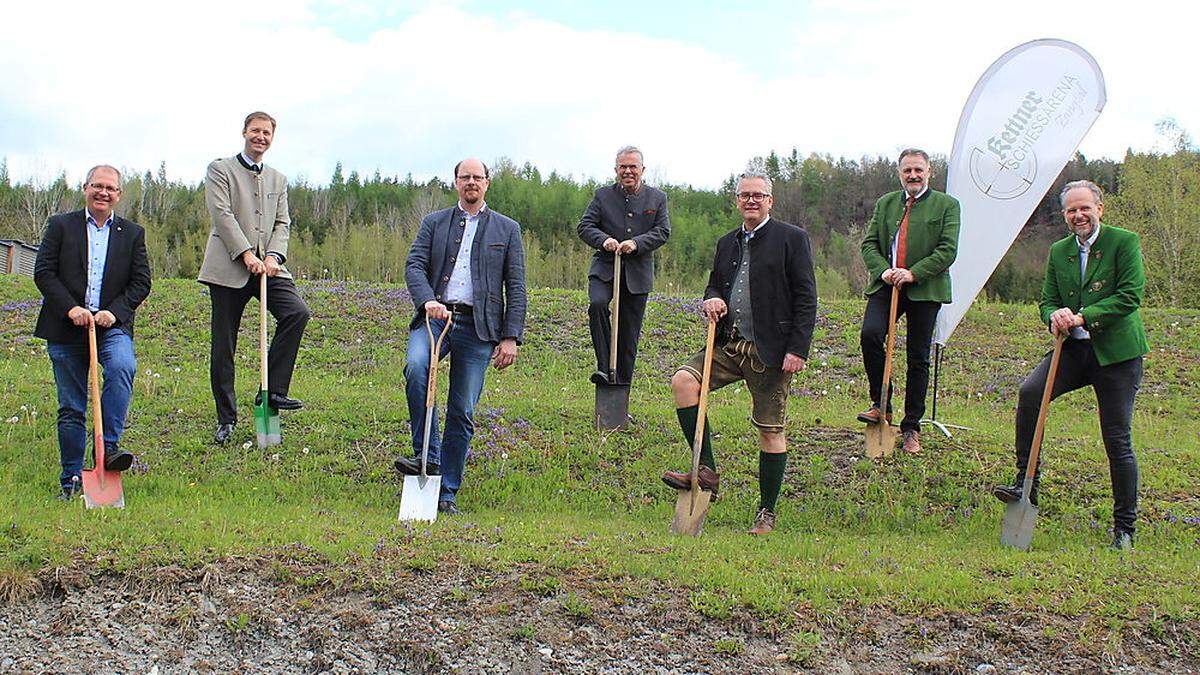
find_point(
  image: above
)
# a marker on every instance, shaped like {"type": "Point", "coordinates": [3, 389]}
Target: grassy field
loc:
{"type": "Point", "coordinates": [909, 535]}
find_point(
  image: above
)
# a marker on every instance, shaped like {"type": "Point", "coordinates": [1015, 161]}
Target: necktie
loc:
{"type": "Point", "coordinates": [902, 234]}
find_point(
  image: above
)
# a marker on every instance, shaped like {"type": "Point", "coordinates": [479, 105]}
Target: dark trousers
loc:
{"type": "Point", "coordinates": [919, 331]}
{"type": "Point", "coordinates": [629, 326]}
{"type": "Point", "coordinates": [1116, 385]}
{"type": "Point", "coordinates": [228, 304]}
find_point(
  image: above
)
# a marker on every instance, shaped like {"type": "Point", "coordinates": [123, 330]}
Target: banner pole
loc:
{"type": "Point", "coordinates": [937, 368]}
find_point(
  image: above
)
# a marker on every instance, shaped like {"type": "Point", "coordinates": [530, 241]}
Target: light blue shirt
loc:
{"type": "Point", "coordinates": [460, 289]}
{"type": "Point", "coordinates": [1085, 249]}
{"type": "Point", "coordinates": [97, 242]}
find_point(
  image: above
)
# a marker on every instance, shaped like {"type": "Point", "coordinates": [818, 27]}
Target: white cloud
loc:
{"type": "Point", "coordinates": [144, 82]}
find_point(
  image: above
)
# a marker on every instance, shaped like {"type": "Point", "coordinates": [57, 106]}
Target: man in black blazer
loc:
{"type": "Point", "coordinates": [763, 295]}
{"type": "Point", "coordinates": [91, 267]}
{"type": "Point", "coordinates": [468, 263]}
{"type": "Point", "coordinates": [629, 217]}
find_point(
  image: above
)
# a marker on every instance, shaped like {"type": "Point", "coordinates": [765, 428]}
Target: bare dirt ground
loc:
{"type": "Point", "coordinates": [282, 615]}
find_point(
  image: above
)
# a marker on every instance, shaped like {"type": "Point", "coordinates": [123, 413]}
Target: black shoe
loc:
{"type": "Point", "coordinates": [116, 459]}
{"type": "Point", "coordinates": [223, 434]}
{"type": "Point", "coordinates": [279, 401]}
{"type": "Point", "coordinates": [411, 466]}
{"type": "Point", "coordinates": [600, 377]}
{"type": "Point", "coordinates": [70, 490]}
{"type": "Point", "coordinates": [447, 507]}
{"type": "Point", "coordinates": [1122, 541]}
{"type": "Point", "coordinates": [1011, 495]}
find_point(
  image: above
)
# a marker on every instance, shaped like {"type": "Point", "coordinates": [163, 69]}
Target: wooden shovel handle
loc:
{"type": "Point", "coordinates": [1036, 448]}
{"type": "Point", "coordinates": [94, 385]}
{"type": "Point", "coordinates": [435, 352]}
{"type": "Point", "coordinates": [616, 291]}
{"type": "Point", "coordinates": [262, 329]}
{"type": "Point", "coordinates": [702, 408]}
{"type": "Point", "coordinates": [885, 397]}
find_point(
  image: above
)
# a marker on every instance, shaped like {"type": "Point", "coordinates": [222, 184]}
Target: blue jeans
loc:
{"type": "Point", "coordinates": [469, 358]}
{"type": "Point", "coordinates": [70, 361]}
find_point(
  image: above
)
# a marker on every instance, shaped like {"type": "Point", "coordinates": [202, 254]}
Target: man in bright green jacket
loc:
{"type": "Point", "coordinates": [1092, 291]}
{"type": "Point", "coordinates": [910, 242]}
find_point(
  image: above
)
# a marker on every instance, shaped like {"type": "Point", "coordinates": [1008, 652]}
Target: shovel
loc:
{"type": "Point", "coordinates": [612, 400]}
{"type": "Point", "coordinates": [419, 496]}
{"type": "Point", "coordinates": [101, 487]}
{"type": "Point", "coordinates": [1021, 516]}
{"type": "Point", "coordinates": [266, 418]}
{"type": "Point", "coordinates": [692, 505]}
{"type": "Point", "coordinates": [881, 437]}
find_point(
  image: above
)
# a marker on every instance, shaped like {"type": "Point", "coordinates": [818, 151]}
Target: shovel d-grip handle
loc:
{"type": "Point", "coordinates": [435, 352]}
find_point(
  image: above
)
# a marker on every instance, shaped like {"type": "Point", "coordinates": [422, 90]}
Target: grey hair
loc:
{"type": "Point", "coordinates": [913, 151]}
{"type": "Point", "coordinates": [94, 169]}
{"type": "Point", "coordinates": [630, 150]}
{"type": "Point", "coordinates": [750, 174]}
{"type": "Point", "coordinates": [1096, 192]}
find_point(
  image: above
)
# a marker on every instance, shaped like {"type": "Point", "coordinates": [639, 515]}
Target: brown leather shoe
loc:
{"type": "Point", "coordinates": [872, 415]}
{"type": "Point", "coordinates": [912, 442]}
{"type": "Point", "coordinates": [709, 480]}
{"type": "Point", "coordinates": [764, 522]}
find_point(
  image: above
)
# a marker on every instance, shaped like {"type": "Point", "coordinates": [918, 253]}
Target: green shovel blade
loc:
{"type": "Point", "coordinates": [266, 423]}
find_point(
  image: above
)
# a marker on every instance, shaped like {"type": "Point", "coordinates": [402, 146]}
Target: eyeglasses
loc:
{"type": "Point", "coordinates": [100, 187]}
{"type": "Point", "coordinates": [752, 196]}
{"type": "Point", "coordinates": [470, 177]}
{"type": "Point", "coordinates": [628, 167]}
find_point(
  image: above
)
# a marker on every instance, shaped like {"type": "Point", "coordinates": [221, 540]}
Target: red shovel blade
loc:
{"type": "Point", "coordinates": [102, 488]}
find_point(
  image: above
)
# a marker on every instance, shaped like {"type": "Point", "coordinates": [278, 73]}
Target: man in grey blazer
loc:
{"type": "Point", "coordinates": [629, 217]}
{"type": "Point", "coordinates": [468, 263]}
{"type": "Point", "coordinates": [248, 205]}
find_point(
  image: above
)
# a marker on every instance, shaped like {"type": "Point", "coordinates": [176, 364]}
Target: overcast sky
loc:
{"type": "Point", "coordinates": [412, 86]}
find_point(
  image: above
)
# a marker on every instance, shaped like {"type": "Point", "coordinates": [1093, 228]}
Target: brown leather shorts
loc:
{"type": "Point", "coordinates": [738, 360]}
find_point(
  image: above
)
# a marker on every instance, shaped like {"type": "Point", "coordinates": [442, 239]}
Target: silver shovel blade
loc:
{"type": "Point", "coordinates": [419, 498]}
{"type": "Point", "coordinates": [612, 407]}
{"type": "Point", "coordinates": [1019, 519]}
{"type": "Point", "coordinates": [880, 440]}
{"type": "Point", "coordinates": [690, 509]}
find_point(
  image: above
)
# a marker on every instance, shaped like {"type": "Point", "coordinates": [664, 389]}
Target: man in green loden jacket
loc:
{"type": "Point", "coordinates": [1093, 288]}
{"type": "Point", "coordinates": [910, 243]}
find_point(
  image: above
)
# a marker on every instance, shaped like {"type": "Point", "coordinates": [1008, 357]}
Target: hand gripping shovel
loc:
{"type": "Point", "coordinates": [1021, 516]}
{"type": "Point", "coordinates": [881, 437]}
{"type": "Point", "coordinates": [266, 418]}
{"type": "Point", "coordinates": [419, 496]}
{"type": "Point", "coordinates": [101, 487]}
{"type": "Point", "coordinates": [612, 400]}
{"type": "Point", "coordinates": [692, 505]}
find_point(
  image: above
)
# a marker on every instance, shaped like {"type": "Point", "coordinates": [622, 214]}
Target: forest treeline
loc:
{"type": "Point", "coordinates": [360, 227]}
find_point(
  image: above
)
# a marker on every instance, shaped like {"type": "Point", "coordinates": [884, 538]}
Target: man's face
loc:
{"type": "Point", "coordinates": [753, 201]}
{"type": "Point", "coordinates": [102, 193]}
{"type": "Point", "coordinates": [914, 174]}
{"type": "Point", "coordinates": [629, 171]}
{"type": "Point", "coordinates": [258, 135]}
{"type": "Point", "coordinates": [1082, 212]}
{"type": "Point", "coordinates": [471, 182]}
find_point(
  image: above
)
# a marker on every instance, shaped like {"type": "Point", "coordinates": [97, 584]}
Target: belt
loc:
{"type": "Point", "coordinates": [460, 308]}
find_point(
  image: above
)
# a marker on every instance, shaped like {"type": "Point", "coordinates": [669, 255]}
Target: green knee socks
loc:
{"type": "Point", "coordinates": [770, 478]}
{"type": "Point", "coordinates": [687, 422]}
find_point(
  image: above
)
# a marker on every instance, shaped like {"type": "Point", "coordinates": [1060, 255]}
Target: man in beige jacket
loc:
{"type": "Point", "coordinates": [250, 223]}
